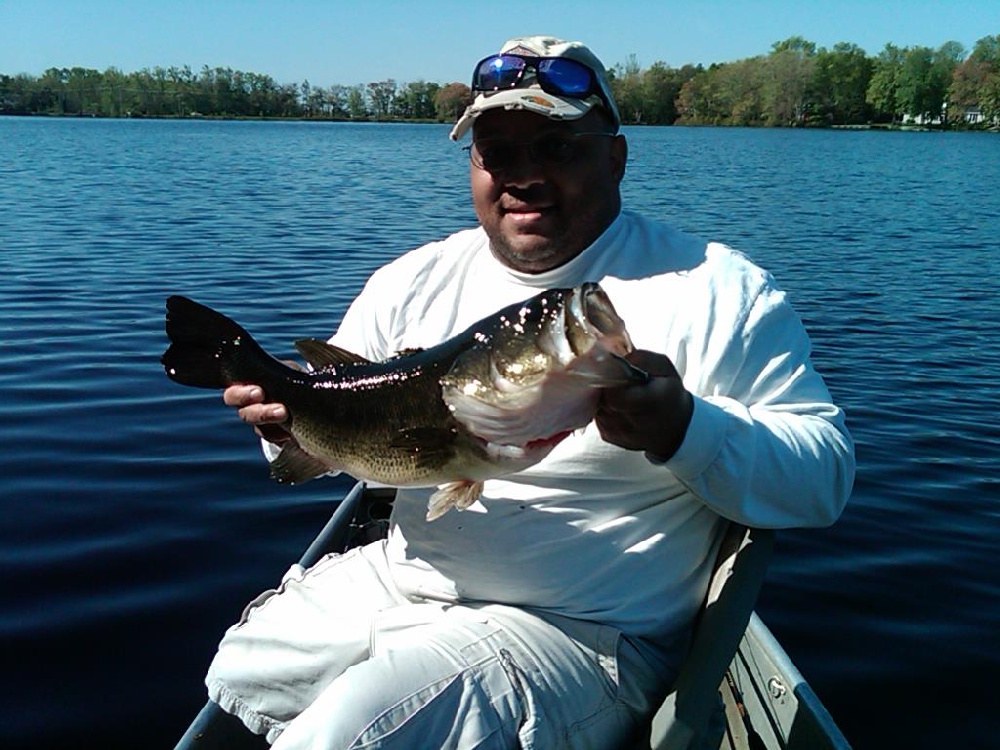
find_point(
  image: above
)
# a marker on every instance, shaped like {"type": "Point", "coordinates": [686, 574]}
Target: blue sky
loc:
{"type": "Point", "coordinates": [349, 42]}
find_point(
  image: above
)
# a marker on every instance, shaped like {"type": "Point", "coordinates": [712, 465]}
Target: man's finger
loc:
{"type": "Point", "coordinates": [242, 395]}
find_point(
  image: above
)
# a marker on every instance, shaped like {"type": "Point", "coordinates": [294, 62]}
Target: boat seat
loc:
{"type": "Point", "coordinates": [692, 717]}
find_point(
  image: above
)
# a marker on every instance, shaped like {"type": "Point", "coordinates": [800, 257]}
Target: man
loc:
{"type": "Point", "coordinates": [554, 613]}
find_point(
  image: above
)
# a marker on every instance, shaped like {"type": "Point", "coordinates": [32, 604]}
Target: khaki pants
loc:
{"type": "Point", "coordinates": [337, 658]}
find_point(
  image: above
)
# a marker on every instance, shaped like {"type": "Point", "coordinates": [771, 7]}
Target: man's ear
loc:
{"type": "Point", "coordinates": [619, 156]}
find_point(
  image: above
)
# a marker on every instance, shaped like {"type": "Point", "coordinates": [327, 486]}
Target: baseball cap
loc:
{"type": "Point", "coordinates": [535, 84]}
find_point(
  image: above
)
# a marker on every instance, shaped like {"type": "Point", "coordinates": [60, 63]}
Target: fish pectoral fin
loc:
{"type": "Point", "coordinates": [294, 466]}
{"type": "Point", "coordinates": [427, 446]}
{"type": "Point", "coordinates": [458, 495]}
{"type": "Point", "coordinates": [321, 354]}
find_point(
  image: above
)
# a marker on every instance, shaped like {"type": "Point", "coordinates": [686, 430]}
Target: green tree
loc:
{"type": "Point", "coordinates": [381, 94]}
{"type": "Point", "coordinates": [976, 82]}
{"type": "Point", "coordinates": [924, 78]}
{"type": "Point", "coordinates": [697, 102]}
{"type": "Point", "coordinates": [787, 81]}
{"type": "Point", "coordinates": [840, 83]}
{"type": "Point", "coordinates": [727, 94]}
{"type": "Point", "coordinates": [626, 88]}
{"type": "Point", "coordinates": [357, 107]}
{"type": "Point", "coordinates": [336, 100]}
{"type": "Point", "coordinates": [944, 64]}
{"type": "Point", "coordinates": [660, 87]}
{"type": "Point", "coordinates": [415, 101]}
{"type": "Point", "coordinates": [451, 100]}
{"type": "Point", "coordinates": [883, 89]}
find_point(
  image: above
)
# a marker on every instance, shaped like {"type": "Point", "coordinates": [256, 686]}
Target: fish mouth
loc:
{"type": "Point", "coordinates": [592, 307]}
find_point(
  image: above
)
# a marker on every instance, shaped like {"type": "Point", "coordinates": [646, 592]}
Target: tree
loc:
{"type": "Point", "coordinates": [626, 88]}
{"type": "Point", "coordinates": [451, 100]}
{"type": "Point", "coordinates": [883, 88]}
{"type": "Point", "coordinates": [357, 107]}
{"type": "Point", "coordinates": [114, 96]}
{"type": "Point", "coordinates": [727, 94]}
{"type": "Point", "coordinates": [335, 102]}
{"type": "Point", "coordinates": [787, 81]}
{"type": "Point", "coordinates": [924, 78]}
{"type": "Point", "coordinates": [381, 94]}
{"type": "Point", "coordinates": [840, 81]}
{"type": "Point", "coordinates": [944, 63]}
{"type": "Point", "coordinates": [415, 101]}
{"type": "Point", "coordinates": [659, 86]}
{"type": "Point", "coordinates": [976, 82]}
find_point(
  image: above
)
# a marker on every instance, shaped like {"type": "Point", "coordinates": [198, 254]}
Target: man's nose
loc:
{"type": "Point", "coordinates": [523, 170]}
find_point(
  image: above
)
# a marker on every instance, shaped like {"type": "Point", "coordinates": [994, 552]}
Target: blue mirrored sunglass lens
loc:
{"type": "Point", "coordinates": [567, 76]}
{"type": "Point", "coordinates": [498, 72]}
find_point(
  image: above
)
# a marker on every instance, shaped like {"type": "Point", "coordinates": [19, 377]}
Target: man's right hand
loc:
{"type": "Point", "coordinates": [266, 418]}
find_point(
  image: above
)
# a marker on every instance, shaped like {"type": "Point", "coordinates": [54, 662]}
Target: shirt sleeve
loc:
{"type": "Point", "coordinates": [766, 446]}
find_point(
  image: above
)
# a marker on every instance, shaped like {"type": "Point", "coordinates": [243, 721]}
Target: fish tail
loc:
{"type": "Point", "coordinates": [207, 349]}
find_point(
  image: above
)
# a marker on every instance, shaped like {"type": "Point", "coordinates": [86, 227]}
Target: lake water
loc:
{"type": "Point", "coordinates": [137, 514]}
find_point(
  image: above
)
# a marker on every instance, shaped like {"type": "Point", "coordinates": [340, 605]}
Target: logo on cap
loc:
{"type": "Point", "coordinates": [540, 100]}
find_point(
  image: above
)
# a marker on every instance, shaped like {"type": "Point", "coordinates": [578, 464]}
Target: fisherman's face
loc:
{"type": "Point", "coordinates": [539, 216]}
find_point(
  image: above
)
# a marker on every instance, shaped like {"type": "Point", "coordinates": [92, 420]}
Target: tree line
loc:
{"type": "Point", "coordinates": [798, 84]}
{"type": "Point", "coordinates": [221, 92]}
{"type": "Point", "coordinates": [794, 84]}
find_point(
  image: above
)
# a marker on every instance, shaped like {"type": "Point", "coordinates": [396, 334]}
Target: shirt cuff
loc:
{"type": "Point", "coordinates": [702, 442]}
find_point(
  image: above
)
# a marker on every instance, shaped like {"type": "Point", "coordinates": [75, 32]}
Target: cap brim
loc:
{"type": "Point", "coordinates": [531, 99]}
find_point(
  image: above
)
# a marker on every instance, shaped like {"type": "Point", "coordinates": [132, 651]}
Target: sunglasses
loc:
{"type": "Point", "coordinates": [556, 75]}
{"type": "Point", "coordinates": [497, 155]}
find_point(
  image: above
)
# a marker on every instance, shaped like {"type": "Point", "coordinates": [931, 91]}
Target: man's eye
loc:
{"type": "Point", "coordinates": [555, 148]}
{"type": "Point", "coordinates": [495, 152]}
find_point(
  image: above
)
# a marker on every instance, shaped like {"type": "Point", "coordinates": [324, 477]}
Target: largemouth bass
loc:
{"type": "Point", "coordinates": [490, 401]}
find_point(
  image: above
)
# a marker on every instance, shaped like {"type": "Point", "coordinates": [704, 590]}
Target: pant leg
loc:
{"type": "Point", "coordinates": [338, 658]}
{"type": "Point", "coordinates": [492, 677]}
{"type": "Point", "coordinates": [291, 643]}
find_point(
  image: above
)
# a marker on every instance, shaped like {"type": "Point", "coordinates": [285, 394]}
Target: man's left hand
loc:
{"type": "Point", "coordinates": [651, 417]}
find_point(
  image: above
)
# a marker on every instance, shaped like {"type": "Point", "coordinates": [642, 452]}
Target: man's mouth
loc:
{"type": "Point", "coordinates": [526, 211]}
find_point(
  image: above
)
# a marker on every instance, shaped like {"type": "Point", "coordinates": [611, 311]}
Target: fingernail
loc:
{"type": "Point", "coordinates": [278, 412]}
{"type": "Point", "coordinates": [256, 393]}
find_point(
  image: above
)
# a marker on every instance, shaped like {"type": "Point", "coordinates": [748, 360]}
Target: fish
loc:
{"type": "Point", "coordinates": [490, 401]}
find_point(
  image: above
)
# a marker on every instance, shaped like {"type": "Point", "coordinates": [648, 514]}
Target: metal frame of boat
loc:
{"type": "Point", "coordinates": [737, 689]}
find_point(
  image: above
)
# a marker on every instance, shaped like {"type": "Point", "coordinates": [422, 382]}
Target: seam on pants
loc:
{"type": "Point", "coordinates": [388, 723]}
{"type": "Point", "coordinates": [232, 703]}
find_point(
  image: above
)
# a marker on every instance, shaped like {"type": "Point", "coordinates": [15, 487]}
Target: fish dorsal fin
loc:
{"type": "Point", "coordinates": [321, 354]}
{"type": "Point", "coordinates": [407, 352]}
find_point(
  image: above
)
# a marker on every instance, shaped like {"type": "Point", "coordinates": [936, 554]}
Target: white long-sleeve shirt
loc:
{"type": "Point", "coordinates": [595, 531]}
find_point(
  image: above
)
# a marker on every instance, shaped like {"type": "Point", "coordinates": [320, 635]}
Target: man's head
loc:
{"type": "Point", "coordinates": [546, 160]}
{"type": "Point", "coordinates": [551, 77]}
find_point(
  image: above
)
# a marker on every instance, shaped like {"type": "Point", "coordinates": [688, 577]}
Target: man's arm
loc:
{"type": "Point", "coordinates": [761, 443]}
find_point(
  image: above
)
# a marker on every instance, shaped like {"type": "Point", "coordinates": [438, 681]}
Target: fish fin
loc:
{"type": "Point", "coordinates": [321, 354]}
{"type": "Point", "coordinates": [407, 352]}
{"type": "Point", "coordinates": [458, 495]}
{"type": "Point", "coordinates": [294, 466]}
{"type": "Point", "coordinates": [200, 340]}
{"type": "Point", "coordinates": [427, 446]}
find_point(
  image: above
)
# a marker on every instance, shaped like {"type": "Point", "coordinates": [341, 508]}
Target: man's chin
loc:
{"type": "Point", "coordinates": [530, 253]}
